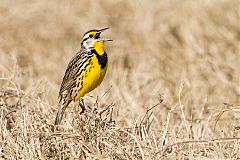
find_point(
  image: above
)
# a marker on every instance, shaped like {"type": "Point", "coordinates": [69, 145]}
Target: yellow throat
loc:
{"type": "Point", "coordinates": [98, 46]}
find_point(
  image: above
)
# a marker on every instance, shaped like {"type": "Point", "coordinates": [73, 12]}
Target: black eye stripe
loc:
{"type": "Point", "coordinates": [84, 39]}
{"type": "Point", "coordinates": [90, 36]}
{"type": "Point", "coordinates": [93, 30]}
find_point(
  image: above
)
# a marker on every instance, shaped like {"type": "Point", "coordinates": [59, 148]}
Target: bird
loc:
{"type": "Point", "coordinates": [85, 71]}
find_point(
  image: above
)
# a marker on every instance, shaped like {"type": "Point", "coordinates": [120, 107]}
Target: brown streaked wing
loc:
{"type": "Point", "coordinates": [71, 71]}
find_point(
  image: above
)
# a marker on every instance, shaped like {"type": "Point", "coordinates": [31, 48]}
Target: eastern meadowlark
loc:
{"type": "Point", "coordinates": [85, 71]}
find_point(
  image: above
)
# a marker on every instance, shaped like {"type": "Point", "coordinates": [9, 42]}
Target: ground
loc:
{"type": "Point", "coordinates": [172, 89]}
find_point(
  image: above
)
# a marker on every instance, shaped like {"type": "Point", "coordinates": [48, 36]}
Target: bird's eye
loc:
{"type": "Point", "coordinates": [90, 36]}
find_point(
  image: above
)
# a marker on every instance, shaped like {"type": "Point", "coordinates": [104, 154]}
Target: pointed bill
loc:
{"type": "Point", "coordinates": [101, 30]}
{"type": "Point", "coordinates": [104, 39]}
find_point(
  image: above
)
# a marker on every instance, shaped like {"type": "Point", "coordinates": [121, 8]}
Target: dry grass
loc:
{"type": "Point", "coordinates": [172, 89]}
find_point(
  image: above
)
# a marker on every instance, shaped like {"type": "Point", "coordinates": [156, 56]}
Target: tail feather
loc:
{"type": "Point", "coordinates": [59, 116]}
{"type": "Point", "coordinates": [61, 109]}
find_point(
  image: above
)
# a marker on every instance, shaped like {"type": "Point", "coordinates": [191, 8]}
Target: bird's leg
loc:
{"type": "Point", "coordinates": [82, 105]}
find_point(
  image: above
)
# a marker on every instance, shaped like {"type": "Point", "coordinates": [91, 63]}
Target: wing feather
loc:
{"type": "Point", "coordinates": [71, 72]}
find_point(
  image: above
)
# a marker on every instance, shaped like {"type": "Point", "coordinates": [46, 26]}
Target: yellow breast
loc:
{"type": "Point", "coordinates": [93, 76]}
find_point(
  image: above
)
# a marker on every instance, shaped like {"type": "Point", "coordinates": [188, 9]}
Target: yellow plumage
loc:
{"type": "Point", "coordinates": [94, 76]}
{"type": "Point", "coordinates": [85, 71]}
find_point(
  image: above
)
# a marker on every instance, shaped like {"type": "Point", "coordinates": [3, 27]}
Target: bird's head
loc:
{"type": "Point", "coordinates": [93, 36]}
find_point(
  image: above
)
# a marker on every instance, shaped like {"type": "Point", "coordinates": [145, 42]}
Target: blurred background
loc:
{"type": "Point", "coordinates": [181, 56]}
{"type": "Point", "coordinates": [166, 50]}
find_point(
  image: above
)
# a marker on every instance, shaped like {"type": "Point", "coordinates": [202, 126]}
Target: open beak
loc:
{"type": "Point", "coordinates": [99, 33]}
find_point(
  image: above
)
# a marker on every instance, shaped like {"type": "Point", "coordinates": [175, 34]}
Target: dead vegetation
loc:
{"type": "Point", "coordinates": [172, 89]}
